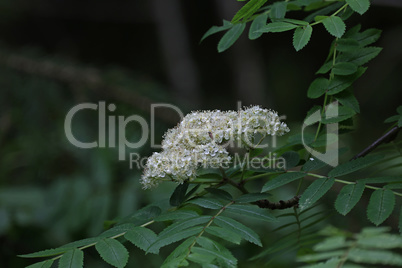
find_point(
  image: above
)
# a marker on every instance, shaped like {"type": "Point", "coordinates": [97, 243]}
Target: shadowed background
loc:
{"type": "Point", "coordinates": [57, 54]}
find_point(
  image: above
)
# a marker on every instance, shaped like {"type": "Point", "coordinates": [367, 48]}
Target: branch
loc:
{"type": "Point", "coordinates": [387, 137]}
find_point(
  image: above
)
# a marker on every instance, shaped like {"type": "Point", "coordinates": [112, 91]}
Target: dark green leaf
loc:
{"type": "Point", "coordinates": [342, 113]}
{"type": "Point", "coordinates": [249, 198]}
{"type": "Point", "coordinates": [143, 215]}
{"type": "Point", "coordinates": [360, 6]}
{"type": "Point", "coordinates": [177, 198]}
{"type": "Point", "coordinates": [347, 99]}
{"type": "Point", "coordinates": [230, 37]}
{"type": "Point", "coordinates": [177, 257]}
{"type": "Point", "coordinates": [344, 68]}
{"type": "Point", "coordinates": [175, 232]}
{"type": "Point", "coordinates": [177, 215]}
{"type": "Point", "coordinates": [334, 25]}
{"type": "Point", "coordinates": [325, 68]}
{"type": "Point", "coordinates": [239, 229]}
{"type": "Point", "coordinates": [42, 264]}
{"type": "Point", "coordinates": [46, 253]}
{"type": "Point", "coordinates": [276, 27]}
{"type": "Point", "coordinates": [112, 252]}
{"type": "Point", "coordinates": [251, 211]}
{"type": "Point", "coordinates": [256, 25]}
{"type": "Point", "coordinates": [170, 238]}
{"type": "Point", "coordinates": [391, 119]}
{"type": "Point", "coordinates": [318, 88]}
{"type": "Point", "coordinates": [346, 44]}
{"type": "Point", "coordinates": [248, 10]}
{"type": "Point", "coordinates": [215, 29]}
{"type": "Point", "coordinates": [212, 248]}
{"type": "Point", "coordinates": [325, 140]}
{"type": "Point", "coordinates": [117, 230]}
{"type": "Point", "coordinates": [278, 10]}
{"type": "Point", "coordinates": [354, 165]}
{"type": "Point", "coordinates": [340, 83]}
{"type": "Point", "coordinates": [219, 193]}
{"type": "Point", "coordinates": [360, 56]}
{"type": "Point", "coordinates": [315, 191]}
{"type": "Point", "coordinates": [380, 206]}
{"type": "Point", "coordinates": [141, 237]}
{"type": "Point", "coordinates": [281, 180]}
{"type": "Point", "coordinates": [291, 159]}
{"type": "Point", "coordinates": [206, 202]}
{"type": "Point", "coordinates": [375, 256]}
{"type": "Point", "coordinates": [224, 234]}
{"type": "Point", "coordinates": [297, 22]}
{"type": "Point", "coordinates": [302, 36]}
{"type": "Point", "coordinates": [81, 243]}
{"type": "Point", "coordinates": [368, 37]}
{"type": "Point", "coordinates": [72, 259]}
{"type": "Point", "coordinates": [388, 179]}
{"type": "Point", "coordinates": [348, 197]}
{"type": "Point", "coordinates": [313, 164]}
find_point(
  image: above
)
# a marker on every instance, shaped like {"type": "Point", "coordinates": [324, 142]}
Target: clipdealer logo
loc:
{"type": "Point", "coordinates": [107, 124]}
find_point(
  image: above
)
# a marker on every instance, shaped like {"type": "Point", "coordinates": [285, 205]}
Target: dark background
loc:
{"type": "Point", "coordinates": [56, 54]}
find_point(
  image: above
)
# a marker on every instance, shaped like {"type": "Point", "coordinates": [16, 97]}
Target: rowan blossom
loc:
{"type": "Point", "coordinates": [200, 140]}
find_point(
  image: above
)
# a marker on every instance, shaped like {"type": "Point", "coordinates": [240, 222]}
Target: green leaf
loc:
{"type": "Point", "coordinates": [256, 25]}
{"type": "Point", "coordinates": [251, 211]}
{"type": "Point", "coordinates": [385, 179]}
{"type": "Point", "coordinates": [374, 256]}
{"type": "Point", "coordinates": [178, 196]}
{"type": "Point", "coordinates": [177, 257]}
{"type": "Point", "coordinates": [72, 259]}
{"type": "Point", "coordinates": [230, 37]}
{"type": "Point", "coordinates": [282, 180]}
{"type": "Point", "coordinates": [354, 165]}
{"type": "Point", "coordinates": [177, 231]}
{"type": "Point", "coordinates": [302, 36]}
{"type": "Point", "coordinates": [143, 215]}
{"type": "Point", "coordinates": [383, 241]}
{"type": "Point", "coordinates": [141, 237]}
{"type": "Point", "coordinates": [380, 206]}
{"type": "Point", "coordinates": [278, 10]}
{"type": "Point", "coordinates": [42, 264]}
{"type": "Point", "coordinates": [348, 197]}
{"type": "Point", "coordinates": [346, 44]}
{"type": "Point", "coordinates": [391, 119]}
{"type": "Point", "coordinates": [239, 229]}
{"type": "Point", "coordinates": [291, 159]}
{"type": "Point", "coordinates": [347, 99]}
{"type": "Point", "coordinates": [360, 56]}
{"type": "Point", "coordinates": [344, 68]}
{"type": "Point", "coordinates": [318, 88]}
{"type": "Point", "coordinates": [313, 164]}
{"type": "Point", "coordinates": [112, 252]}
{"type": "Point", "coordinates": [340, 83]}
{"type": "Point", "coordinates": [368, 37]}
{"type": "Point", "coordinates": [334, 25]}
{"type": "Point", "coordinates": [117, 230]}
{"type": "Point", "coordinates": [206, 202]}
{"type": "Point", "coordinates": [315, 191]}
{"type": "Point", "coordinates": [325, 139]}
{"type": "Point", "coordinates": [360, 6]}
{"type": "Point", "coordinates": [343, 113]}
{"type": "Point", "coordinates": [46, 253]}
{"type": "Point", "coordinates": [297, 22]}
{"type": "Point", "coordinates": [215, 29]}
{"type": "Point", "coordinates": [331, 243]}
{"type": "Point", "coordinates": [170, 238]}
{"type": "Point", "coordinates": [215, 249]}
{"type": "Point", "coordinates": [81, 243]}
{"type": "Point", "coordinates": [219, 193]}
{"type": "Point", "coordinates": [177, 215]}
{"type": "Point", "coordinates": [325, 68]}
{"type": "Point", "coordinates": [248, 198]}
{"type": "Point", "coordinates": [224, 234]}
{"type": "Point", "coordinates": [248, 10]}
{"type": "Point", "coordinates": [276, 27]}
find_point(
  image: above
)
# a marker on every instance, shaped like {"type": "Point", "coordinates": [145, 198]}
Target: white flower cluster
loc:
{"type": "Point", "coordinates": [200, 140]}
